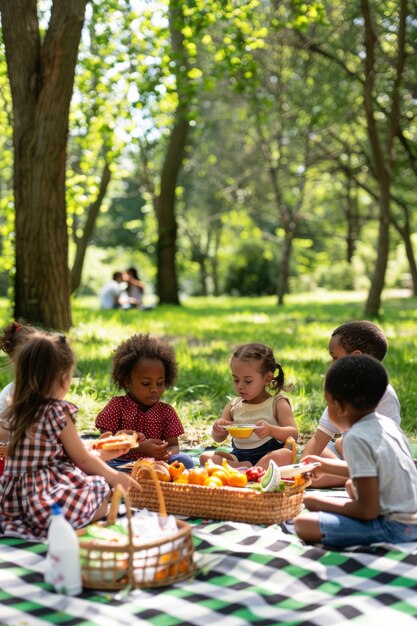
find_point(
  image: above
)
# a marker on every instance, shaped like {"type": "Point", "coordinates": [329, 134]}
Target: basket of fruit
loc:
{"type": "Point", "coordinates": [225, 493]}
{"type": "Point", "coordinates": [113, 556]}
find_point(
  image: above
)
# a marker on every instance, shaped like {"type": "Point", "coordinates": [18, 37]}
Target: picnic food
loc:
{"type": "Point", "coordinates": [271, 478]}
{"type": "Point", "coordinates": [116, 442]}
{"type": "Point", "coordinates": [255, 473]}
{"type": "Point", "coordinates": [240, 431]}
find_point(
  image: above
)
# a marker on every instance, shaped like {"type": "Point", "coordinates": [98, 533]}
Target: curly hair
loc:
{"type": "Point", "coordinates": [138, 347]}
{"type": "Point", "coordinates": [264, 355]}
{"type": "Point", "coordinates": [364, 336]}
{"type": "Point", "coordinates": [13, 334]}
{"type": "Point", "coordinates": [359, 380]}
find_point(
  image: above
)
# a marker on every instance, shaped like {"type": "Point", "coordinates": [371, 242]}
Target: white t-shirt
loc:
{"type": "Point", "coordinates": [375, 446]}
{"type": "Point", "coordinates": [109, 294]}
{"type": "Point", "coordinates": [389, 406]}
{"type": "Point", "coordinates": [6, 395]}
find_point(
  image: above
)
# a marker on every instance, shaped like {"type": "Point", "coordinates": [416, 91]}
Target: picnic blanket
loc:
{"type": "Point", "coordinates": [245, 575]}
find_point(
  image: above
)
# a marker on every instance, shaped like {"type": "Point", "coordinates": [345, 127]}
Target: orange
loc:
{"type": "Point", "coordinates": [213, 481]}
{"type": "Point", "coordinates": [238, 480]}
{"type": "Point", "coordinates": [220, 473]}
{"type": "Point", "coordinates": [197, 476]}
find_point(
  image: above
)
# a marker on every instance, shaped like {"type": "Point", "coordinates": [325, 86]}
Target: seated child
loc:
{"type": "Point", "coordinates": [47, 463]}
{"type": "Point", "coordinates": [253, 367]}
{"type": "Point", "coordinates": [144, 367]}
{"type": "Point", "coordinates": [383, 476]}
{"type": "Point", "coordinates": [357, 337]}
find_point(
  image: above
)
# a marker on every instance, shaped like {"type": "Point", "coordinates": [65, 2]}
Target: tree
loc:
{"type": "Point", "coordinates": [41, 74]}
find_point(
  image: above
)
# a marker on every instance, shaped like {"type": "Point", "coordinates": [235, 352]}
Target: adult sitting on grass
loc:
{"type": "Point", "coordinates": [355, 338]}
{"type": "Point", "coordinates": [382, 475]}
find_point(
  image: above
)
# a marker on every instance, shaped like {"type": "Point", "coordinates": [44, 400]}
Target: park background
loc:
{"type": "Point", "coordinates": [256, 161]}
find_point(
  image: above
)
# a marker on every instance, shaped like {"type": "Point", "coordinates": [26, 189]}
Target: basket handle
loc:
{"type": "Point", "coordinates": [290, 443]}
{"type": "Point", "coordinates": [147, 466]}
{"type": "Point", "coordinates": [118, 493]}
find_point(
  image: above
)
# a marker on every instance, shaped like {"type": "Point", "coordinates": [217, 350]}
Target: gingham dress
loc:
{"type": "Point", "coordinates": [41, 474]}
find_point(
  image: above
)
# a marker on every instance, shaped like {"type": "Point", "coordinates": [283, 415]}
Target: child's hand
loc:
{"type": "Point", "coordinates": [127, 482]}
{"type": "Point", "coordinates": [318, 471]}
{"type": "Point", "coordinates": [263, 430]}
{"type": "Point", "coordinates": [219, 427]}
{"type": "Point", "coordinates": [155, 448]}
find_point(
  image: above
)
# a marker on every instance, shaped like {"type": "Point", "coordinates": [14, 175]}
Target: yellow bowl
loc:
{"type": "Point", "coordinates": [241, 431]}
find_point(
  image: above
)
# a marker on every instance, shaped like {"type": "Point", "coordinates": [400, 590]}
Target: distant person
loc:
{"type": "Point", "coordinates": [110, 293]}
{"type": "Point", "coordinates": [135, 288]}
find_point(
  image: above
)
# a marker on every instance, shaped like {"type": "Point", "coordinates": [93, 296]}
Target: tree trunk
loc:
{"type": "Point", "coordinates": [41, 75]}
{"type": "Point", "coordinates": [167, 281]}
{"type": "Point", "coordinates": [284, 268]}
{"type": "Point", "coordinates": [82, 242]}
{"type": "Point", "coordinates": [373, 302]}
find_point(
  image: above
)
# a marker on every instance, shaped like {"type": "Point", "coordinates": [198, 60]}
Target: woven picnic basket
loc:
{"type": "Point", "coordinates": [155, 564]}
{"type": "Point", "coordinates": [222, 503]}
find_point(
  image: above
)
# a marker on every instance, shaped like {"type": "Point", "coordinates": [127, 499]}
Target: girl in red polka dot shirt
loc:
{"type": "Point", "coordinates": [144, 367]}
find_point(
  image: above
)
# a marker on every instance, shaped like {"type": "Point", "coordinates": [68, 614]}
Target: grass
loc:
{"type": "Point", "coordinates": [205, 330]}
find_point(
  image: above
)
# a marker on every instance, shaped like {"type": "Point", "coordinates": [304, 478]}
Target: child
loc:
{"type": "Point", "coordinates": [144, 367]}
{"type": "Point", "coordinates": [253, 368]}
{"type": "Point", "coordinates": [47, 462]}
{"type": "Point", "coordinates": [357, 337]}
{"type": "Point", "coordinates": [383, 476]}
{"type": "Point", "coordinates": [13, 334]}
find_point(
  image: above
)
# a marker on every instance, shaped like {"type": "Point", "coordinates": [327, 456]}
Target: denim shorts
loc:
{"type": "Point", "coordinates": [255, 454]}
{"type": "Point", "coordinates": [341, 531]}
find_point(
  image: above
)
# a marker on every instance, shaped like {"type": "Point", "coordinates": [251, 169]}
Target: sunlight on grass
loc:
{"type": "Point", "coordinates": [204, 331]}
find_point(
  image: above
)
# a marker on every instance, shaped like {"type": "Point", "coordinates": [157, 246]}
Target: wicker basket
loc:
{"type": "Point", "coordinates": [224, 503]}
{"type": "Point", "coordinates": [156, 564]}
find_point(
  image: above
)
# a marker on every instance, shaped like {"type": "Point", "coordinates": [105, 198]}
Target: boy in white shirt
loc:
{"type": "Point", "coordinates": [355, 338]}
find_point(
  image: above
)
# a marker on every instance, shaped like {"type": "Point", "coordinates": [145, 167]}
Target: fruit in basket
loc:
{"type": "Point", "coordinates": [220, 473]}
{"type": "Point", "coordinates": [272, 477]}
{"type": "Point", "coordinates": [255, 473]}
{"type": "Point", "coordinates": [162, 471]}
{"type": "Point", "coordinates": [176, 469]}
{"type": "Point", "coordinates": [197, 476]}
{"type": "Point", "coordinates": [213, 481]}
{"type": "Point", "coordinates": [211, 467]}
{"type": "Point", "coordinates": [182, 479]}
{"type": "Point", "coordinates": [237, 480]}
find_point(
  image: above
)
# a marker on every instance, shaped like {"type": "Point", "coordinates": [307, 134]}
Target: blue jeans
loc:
{"type": "Point", "coordinates": [341, 531]}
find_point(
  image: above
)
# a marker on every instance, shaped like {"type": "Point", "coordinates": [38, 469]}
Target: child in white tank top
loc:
{"type": "Point", "coordinates": [254, 370]}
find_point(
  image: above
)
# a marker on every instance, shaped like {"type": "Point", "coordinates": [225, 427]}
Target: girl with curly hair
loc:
{"type": "Point", "coordinates": [144, 367]}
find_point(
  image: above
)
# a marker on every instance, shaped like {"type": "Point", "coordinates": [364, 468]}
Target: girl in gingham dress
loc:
{"type": "Point", "coordinates": [47, 462]}
{"type": "Point", "coordinates": [144, 367]}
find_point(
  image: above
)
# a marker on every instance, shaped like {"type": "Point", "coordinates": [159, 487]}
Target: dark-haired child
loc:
{"type": "Point", "coordinates": [356, 337]}
{"type": "Point", "coordinates": [254, 368]}
{"type": "Point", "coordinates": [144, 366]}
{"type": "Point", "coordinates": [382, 474]}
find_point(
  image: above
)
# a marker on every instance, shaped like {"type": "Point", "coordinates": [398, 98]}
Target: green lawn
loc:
{"type": "Point", "coordinates": [205, 330]}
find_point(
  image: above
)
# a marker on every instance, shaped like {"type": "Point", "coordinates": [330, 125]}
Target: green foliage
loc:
{"type": "Point", "coordinates": [251, 271]}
